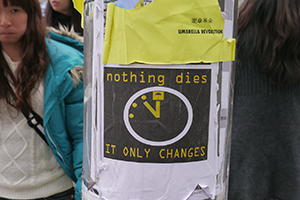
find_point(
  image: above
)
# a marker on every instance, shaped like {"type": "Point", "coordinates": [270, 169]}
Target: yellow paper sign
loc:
{"type": "Point", "coordinates": [167, 32]}
{"type": "Point", "coordinates": [78, 5]}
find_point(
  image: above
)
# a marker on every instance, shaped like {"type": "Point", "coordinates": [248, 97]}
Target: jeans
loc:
{"type": "Point", "coordinates": [66, 195]}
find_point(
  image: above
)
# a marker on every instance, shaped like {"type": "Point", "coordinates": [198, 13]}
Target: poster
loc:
{"type": "Point", "coordinates": [157, 118]}
{"type": "Point", "coordinates": [156, 115]}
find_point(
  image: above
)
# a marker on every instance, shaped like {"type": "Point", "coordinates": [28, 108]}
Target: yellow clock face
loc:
{"type": "Point", "coordinates": [154, 125]}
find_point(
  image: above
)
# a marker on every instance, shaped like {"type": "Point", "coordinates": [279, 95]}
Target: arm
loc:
{"type": "Point", "coordinates": [74, 121]}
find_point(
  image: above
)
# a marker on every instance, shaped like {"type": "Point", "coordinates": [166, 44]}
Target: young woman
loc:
{"type": "Point", "coordinates": [41, 75]}
{"type": "Point", "coordinates": [265, 152]}
{"type": "Point", "coordinates": [63, 12]}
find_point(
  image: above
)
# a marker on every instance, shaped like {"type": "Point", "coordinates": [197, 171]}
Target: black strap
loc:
{"type": "Point", "coordinates": [36, 122]}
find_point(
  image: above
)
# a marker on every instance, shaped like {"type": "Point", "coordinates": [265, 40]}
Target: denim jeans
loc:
{"type": "Point", "coordinates": [66, 195]}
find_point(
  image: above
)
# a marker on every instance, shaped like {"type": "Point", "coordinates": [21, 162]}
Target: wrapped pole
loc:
{"type": "Point", "coordinates": [89, 99]}
{"type": "Point", "coordinates": [129, 104]}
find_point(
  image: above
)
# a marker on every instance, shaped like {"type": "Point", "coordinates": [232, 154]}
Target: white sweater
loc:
{"type": "Point", "coordinates": [28, 168]}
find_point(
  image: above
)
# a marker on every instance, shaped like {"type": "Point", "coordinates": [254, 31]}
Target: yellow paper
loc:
{"type": "Point", "coordinates": [167, 32]}
{"type": "Point", "coordinates": [78, 5]}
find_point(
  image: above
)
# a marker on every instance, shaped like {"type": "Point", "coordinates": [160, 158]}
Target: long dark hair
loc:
{"type": "Point", "coordinates": [34, 57]}
{"type": "Point", "coordinates": [269, 38]}
{"type": "Point", "coordinates": [52, 19]}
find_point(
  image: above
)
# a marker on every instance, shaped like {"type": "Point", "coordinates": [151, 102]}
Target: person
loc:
{"type": "Point", "coordinates": [63, 12]}
{"type": "Point", "coordinates": [43, 7]}
{"type": "Point", "coordinates": [39, 76]}
{"type": "Point", "coordinates": [265, 145]}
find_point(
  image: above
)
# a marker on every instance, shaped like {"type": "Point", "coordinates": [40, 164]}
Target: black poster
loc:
{"type": "Point", "coordinates": [156, 115]}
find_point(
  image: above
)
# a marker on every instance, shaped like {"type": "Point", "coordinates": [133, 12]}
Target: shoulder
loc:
{"type": "Point", "coordinates": [58, 49]}
{"type": "Point", "coordinates": [67, 37]}
{"type": "Point", "coordinates": [63, 57]}
{"type": "Point", "coordinates": [64, 43]}
{"type": "Point", "coordinates": [65, 49]}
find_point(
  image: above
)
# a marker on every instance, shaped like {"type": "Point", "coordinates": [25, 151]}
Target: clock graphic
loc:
{"type": "Point", "coordinates": [158, 116]}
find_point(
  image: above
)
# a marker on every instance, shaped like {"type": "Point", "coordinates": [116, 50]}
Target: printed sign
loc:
{"type": "Point", "coordinates": [156, 115]}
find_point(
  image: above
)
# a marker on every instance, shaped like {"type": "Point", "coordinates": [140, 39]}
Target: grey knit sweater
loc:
{"type": "Point", "coordinates": [265, 152]}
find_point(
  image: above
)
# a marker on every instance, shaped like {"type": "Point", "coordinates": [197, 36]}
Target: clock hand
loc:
{"type": "Point", "coordinates": [156, 112]}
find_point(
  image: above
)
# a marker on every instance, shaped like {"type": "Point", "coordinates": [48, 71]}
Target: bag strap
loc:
{"type": "Point", "coordinates": [35, 121]}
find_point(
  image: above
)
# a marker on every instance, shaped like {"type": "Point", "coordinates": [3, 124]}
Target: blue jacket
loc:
{"type": "Point", "coordinates": [63, 107]}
